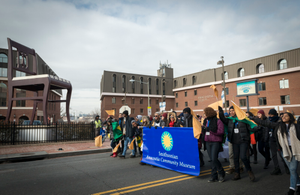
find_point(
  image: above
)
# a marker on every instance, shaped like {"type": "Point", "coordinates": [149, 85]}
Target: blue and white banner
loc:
{"type": "Point", "coordinates": [171, 148]}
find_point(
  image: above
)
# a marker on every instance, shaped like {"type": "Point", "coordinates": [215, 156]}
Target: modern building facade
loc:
{"type": "Point", "coordinates": [22, 109]}
{"type": "Point", "coordinates": [277, 77]}
{"type": "Point", "coordinates": [116, 90]}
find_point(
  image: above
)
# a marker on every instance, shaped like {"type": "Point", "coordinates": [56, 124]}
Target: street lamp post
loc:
{"type": "Point", "coordinates": [221, 62]}
{"type": "Point", "coordinates": [147, 83]}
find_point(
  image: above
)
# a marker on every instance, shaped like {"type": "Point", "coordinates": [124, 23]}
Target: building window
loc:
{"type": "Point", "coordinates": [142, 85]}
{"type": "Point", "coordinates": [20, 93]}
{"type": "Point", "coordinates": [20, 74]}
{"type": "Point", "coordinates": [3, 93]}
{"type": "Point", "coordinates": [132, 101]}
{"type": "Point", "coordinates": [261, 86]}
{"type": "Point", "coordinates": [226, 75]}
{"type": "Point", "coordinates": [157, 109]}
{"type": "Point", "coordinates": [284, 83]}
{"type": "Point", "coordinates": [141, 101]}
{"type": "Point", "coordinates": [157, 86]}
{"type": "Point", "coordinates": [282, 64]}
{"type": "Point", "coordinates": [195, 92]}
{"type": "Point", "coordinates": [196, 103]}
{"type": "Point", "coordinates": [285, 99]}
{"type": "Point", "coordinates": [176, 95]}
{"type": "Point", "coordinates": [194, 80]}
{"type": "Point", "coordinates": [157, 102]}
{"type": "Point", "coordinates": [3, 72]}
{"type": "Point", "coordinates": [149, 83]}
{"type": "Point", "coordinates": [164, 87]}
{"type": "Point", "coordinates": [113, 100]}
{"type": "Point", "coordinates": [184, 81]}
{"type": "Point", "coordinates": [142, 111]}
{"type": "Point", "coordinates": [3, 58]}
{"type": "Point", "coordinates": [262, 101]}
{"type": "Point", "coordinates": [175, 83]}
{"type": "Point", "coordinates": [176, 104]}
{"type": "Point", "coordinates": [226, 90]}
{"type": "Point", "coordinates": [114, 80]}
{"type": "Point", "coordinates": [123, 83]}
{"type": "Point", "coordinates": [186, 104]}
{"type": "Point", "coordinates": [260, 68]}
{"type": "Point", "coordinates": [241, 72]}
{"type": "Point", "coordinates": [123, 101]}
{"type": "Point", "coordinates": [227, 104]}
{"type": "Point", "coordinates": [133, 111]}
{"type": "Point", "coordinates": [242, 102]}
{"type": "Point", "coordinates": [133, 84]}
{"type": "Point", "coordinates": [185, 94]}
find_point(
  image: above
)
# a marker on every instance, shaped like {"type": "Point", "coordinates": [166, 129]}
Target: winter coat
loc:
{"type": "Point", "coordinates": [129, 130]}
{"type": "Point", "coordinates": [217, 136]}
{"type": "Point", "coordinates": [188, 122]}
{"type": "Point", "coordinates": [261, 132]}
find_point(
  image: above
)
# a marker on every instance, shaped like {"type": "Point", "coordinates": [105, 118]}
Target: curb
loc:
{"type": "Point", "coordinates": [44, 155]}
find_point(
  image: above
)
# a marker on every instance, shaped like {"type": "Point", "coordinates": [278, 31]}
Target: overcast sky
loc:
{"type": "Point", "coordinates": [80, 39]}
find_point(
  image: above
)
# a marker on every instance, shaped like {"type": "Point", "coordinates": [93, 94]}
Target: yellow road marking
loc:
{"type": "Point", "coordinates": [202, 173]}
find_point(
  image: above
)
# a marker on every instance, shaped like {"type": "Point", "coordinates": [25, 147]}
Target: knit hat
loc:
{"type": "Point", "coordinates": [139, 117]}
{"type": "Point", "coordinates": [261, 112]}
{"type": "Point", "coordinates": [133, 121]}
{"type": "Point", "coordinates": [226, 114]}
{"type": "Point", "coordinates": [187, 109]}
{"type": "Point", "coordinates": [164, 115]}
{"type": "Point", "coordinates": [125, 112]}
{"type": "Point", "coordinates": [231, 107]}
{"type": "Point", "coordinates": [273, 112]}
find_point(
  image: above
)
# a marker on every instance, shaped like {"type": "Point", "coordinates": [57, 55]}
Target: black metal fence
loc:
{"type": "Point", "coordinates": [13, 133]}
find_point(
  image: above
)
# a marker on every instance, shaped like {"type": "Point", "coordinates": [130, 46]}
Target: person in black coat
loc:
{"type": "Point", "coordinates": [187, 118]}
{"type": "Point", "coordinates": [128, 133]}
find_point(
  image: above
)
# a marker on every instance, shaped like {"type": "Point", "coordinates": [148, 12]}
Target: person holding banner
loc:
{"type": "Point", "coordinates": [128, 133]}
{"type": "Point", "coordinates": [239, 135]}
{"type": "Point", "coordinates": [213, 129]}
{"type": "Point", "coordinates": [156, 120]}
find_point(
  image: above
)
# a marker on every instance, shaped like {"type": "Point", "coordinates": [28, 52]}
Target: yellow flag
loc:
{"type": "Point", "coordinates": [98, 141]}
{"type": "Point", "coordinates": [288, 111]}
{"type": "Point", "coordinates": [116, 148]}
{"type": "Point", "coordinates": [238, 111]}
{"type": "Point", "coordinates": [216, 104]}
{"type": "Point", "coordinates": [110, 112]}
{"type": "Point", "coordinates": [131, 146]}
{"type": "Point", "coordinates": [215, 90]}
{"type": "Point", "coordinates": [254, 111]}
{"type": "Point", "coordinates": [197, 129]}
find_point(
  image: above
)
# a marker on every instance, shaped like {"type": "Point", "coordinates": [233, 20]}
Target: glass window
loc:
{"type": "Point", "coordinates": [3, 72]}
{"type": "Point", "coordinates": [175, 84]}
{"type": "Point", "coordinates": [242, 102]}
{"type": "Point", "coordinates": [164, 87]}
{"type": "Point", "coordinates": [20, 74]}
{"type": "Point", "coordinates": [176, 104]}
{"type": "Point", "coordinates": [114, 80]}
{"type": "Point", "coordinates": [132, 101]}
{"type": "Point", "coordinates": [186, 104]}
{"type": "Point", "coordinates": [123, 83]}
{"type": "Point", "coordinates": [241, 72]}
{"type": "Point", "coordinates": [133, 111]}
{"type": "Point", "coordinates": [113, 100]}
{"type": "Point", "coordinates": [141, 101]}
{"type": "Point", "coordinates": [261, 86]}
{"type": "Point", "coordinates": [3, 58]}
{"type": "Point", "coordinates": [157, 102]}
{"type": "Point", "coordinates": [3, 94]}
{"type": "Point", "coordinates": [262, 101]}
{"type": "Point", "coordinates": [176, 95]}
{"type": "Point", "coordinates": [282, 64]}
{"type": "Point", "coordinates": [157, 87]}
{"type": "Point", "coordinates": [133, 84]}
{"type": "Point", "coordinates": [260, 68]}
{"type": "Point", "coordinates": [142, 85]}
{"type": "Point", "coordinates": [184, 81]}
{"type": "Point", "coordinates": [149, 83]}
{"type": "Point", "coordinates": [284, 83]}
{"type": "Point", "coordinates": [196, 103]}
{"type": "Point", "coordinates": [21, 93]}
{"type": "Point", "coordinates": [195, 92]}
{"type": "Point", "coordinates": [226, 91]}
{"type": "Point", "coordinates": [142, 111]}
{"type": "Point", "coordinates": [194, 80]}
{"type": "Point", "coordinates": [285, 99]}
{"type": "Point", "coordinates": [185, 93]}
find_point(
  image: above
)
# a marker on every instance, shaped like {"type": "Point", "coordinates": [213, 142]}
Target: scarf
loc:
{"type": "Point", "coordinates": [295, 144]}
{"type": "Point", "coordinates": [212, 124]}
{"type": "Point", "coordinates": [246, 121]}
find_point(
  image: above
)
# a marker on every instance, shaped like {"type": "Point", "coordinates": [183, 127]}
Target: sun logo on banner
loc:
{"type": "Point", "coordinates": [167, 141]}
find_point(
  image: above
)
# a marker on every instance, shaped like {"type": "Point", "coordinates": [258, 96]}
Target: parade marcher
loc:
{"type": "Point", "coordinates": [187, 118]}
{"type": "Point", "coordinates": [128, 133]}
{"type": "Point", "coordinates": [116, 135]}
{"type": "Point", "coordinates": [120, 121]}
{"type": "Point", "coordinates": [263, 139]}
{"type": "Point", "coordinates": [253, 139]}
{"type": "Point", "coordinates": [163, 121]}
{"type": "Point", "coordinates": [239, 136]}
{"type": "Point", "coordinates": [98, 125]}
{"type": "Point", "coordinates": [287, 136]}
{"type": "Point", "coordinates": [214, 132]}
{"type": "Point", "coordinates": [156, 120]}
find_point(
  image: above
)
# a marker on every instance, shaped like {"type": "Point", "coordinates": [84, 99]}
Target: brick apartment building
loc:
{"type": "Point", "coordinates": [277, 75]}
{"type": "Point", "coordinates": [22, 109]}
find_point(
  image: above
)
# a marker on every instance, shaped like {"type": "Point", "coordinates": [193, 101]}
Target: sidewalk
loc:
{"type": "Point", "coordinates": [50, 150]}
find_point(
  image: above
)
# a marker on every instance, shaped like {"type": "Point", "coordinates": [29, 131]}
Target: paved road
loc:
{"type": "Point", "coordinates": [100, 174]}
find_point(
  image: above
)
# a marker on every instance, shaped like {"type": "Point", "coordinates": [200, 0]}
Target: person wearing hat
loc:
{"type": "Point", "coordinates": [98, 125]}
{"type": "Point", "coordinates": [128, 133]}
{"type": "Point", "coordinates": [239, 135]}
{"type": "Point", "coordinates": [187, 118]}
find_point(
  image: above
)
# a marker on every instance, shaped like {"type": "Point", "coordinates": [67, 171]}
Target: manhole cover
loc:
{"type": "Point", "coordinates": [27, 154]}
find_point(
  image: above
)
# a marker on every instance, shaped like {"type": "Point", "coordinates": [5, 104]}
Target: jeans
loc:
{"type": "Point", "coordinates": [126, 142]}
{"type": "Point", "coordinates": [294, 177]}
{"type": "Point", "coordinates": [264, 149]}
{"type": "Point", "coordinates": [240, 151]}
{"type": "Point", "coordinates": [231, 159]}
{"type": "Point", "coordinates": [213, 149]}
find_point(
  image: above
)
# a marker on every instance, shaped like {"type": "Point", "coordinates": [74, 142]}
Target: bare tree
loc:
{"type": "Point", "coordinates": [95, 112]}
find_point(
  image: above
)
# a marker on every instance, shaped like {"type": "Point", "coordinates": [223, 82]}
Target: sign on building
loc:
{"type": "Point", "coordinates": [162, 106]}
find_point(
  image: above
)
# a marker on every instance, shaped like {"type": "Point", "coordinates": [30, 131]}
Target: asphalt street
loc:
{"type": "Point", "coordinates": [101, 174]}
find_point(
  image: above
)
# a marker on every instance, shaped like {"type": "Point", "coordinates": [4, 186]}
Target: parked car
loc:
{"type": "Point", "coordinates": [35, 122]}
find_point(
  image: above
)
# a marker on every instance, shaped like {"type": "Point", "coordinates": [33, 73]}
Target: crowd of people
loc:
{"type": "Point", "coordinates": [276, 136]}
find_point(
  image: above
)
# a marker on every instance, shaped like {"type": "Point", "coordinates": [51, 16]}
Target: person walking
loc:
{"type": "Point", "coordinates": [128, 133]}
{"type": "Point", "coordinates": [287, 136]}
{"type": "Point", "coordinates": [239, 136]}
{"type": "Point", "coordinates": [214, 132]}
{"type": "Point", "coordinates": [98, 125]}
